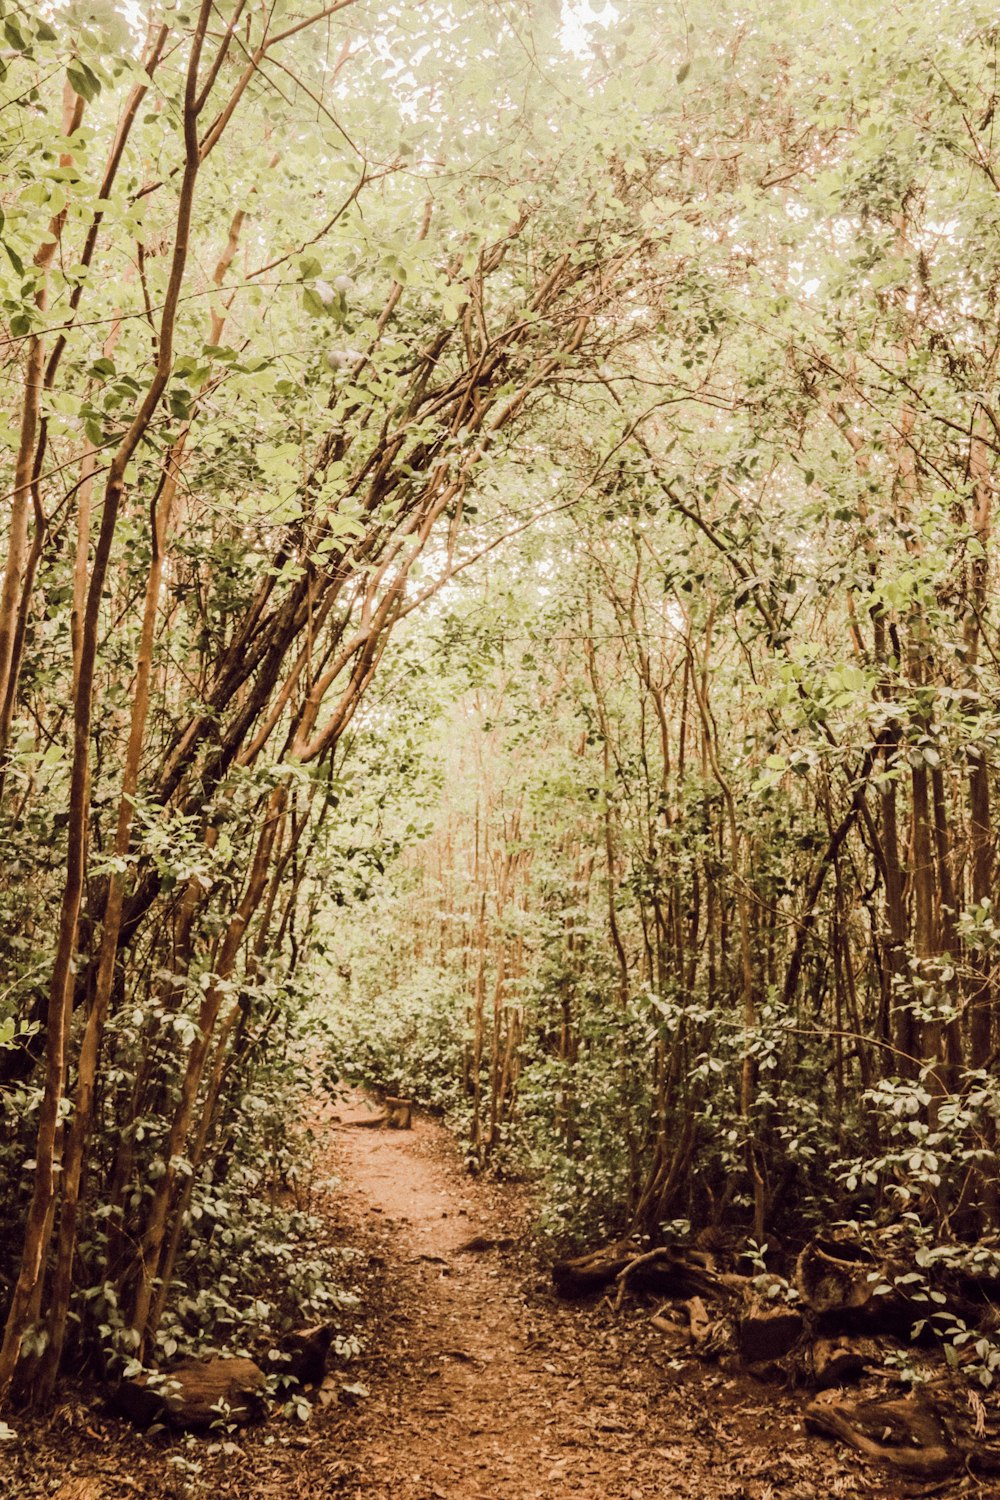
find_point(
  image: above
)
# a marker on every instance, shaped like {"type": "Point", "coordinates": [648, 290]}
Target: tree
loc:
{"type": "Point", "coordinates": [275, 457]}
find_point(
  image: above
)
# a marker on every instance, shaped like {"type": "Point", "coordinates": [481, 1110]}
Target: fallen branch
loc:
{"type": "Point", "coordinates": [623, 1275]}
{"type": "Point", "coordinates": [919, 1447]}
{"type": "Point", "coordinates": [664, 1270]}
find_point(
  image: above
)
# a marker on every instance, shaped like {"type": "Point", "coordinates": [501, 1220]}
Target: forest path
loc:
{"type": "Point", "coordinates": [482, 1385]}
{"type": "Point", "coordinates": [474, 1382]}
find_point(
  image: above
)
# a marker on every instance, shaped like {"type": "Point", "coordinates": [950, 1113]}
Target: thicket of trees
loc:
{"type": "Point", "coordinates": [560, 450]}
{"type": "Point", "coordinates": [277, 284]}
{"type": "Point", "coordinates": [712, 879]}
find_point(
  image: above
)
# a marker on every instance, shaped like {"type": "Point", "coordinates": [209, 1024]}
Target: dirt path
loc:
{"type": "Point", "coordinates": [474, 1382]}
{"type": "Point", "coordinates": [483, 1386]}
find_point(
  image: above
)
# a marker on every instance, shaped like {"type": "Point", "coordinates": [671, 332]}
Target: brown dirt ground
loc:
{"type": "Point", "coordinates": [480, 1384]}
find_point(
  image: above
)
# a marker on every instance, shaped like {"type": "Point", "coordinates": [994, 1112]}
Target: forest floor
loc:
{"type": "Point", "coordinates": [474, 1383]}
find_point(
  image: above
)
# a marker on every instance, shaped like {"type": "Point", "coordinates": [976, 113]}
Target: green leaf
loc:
{"type": "Point", "coordinates": [15, 36]}
{"type": "Point", "coordinates": [84, 80]}
{"type": "Point", "coordinates": [313, 302]}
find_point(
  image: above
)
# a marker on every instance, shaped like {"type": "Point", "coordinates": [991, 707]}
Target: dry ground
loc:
{"type": "Point", "coordinates": [480, 1385]}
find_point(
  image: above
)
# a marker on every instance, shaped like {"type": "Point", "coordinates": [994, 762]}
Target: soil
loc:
{"type": "Point", "coordinates": [474, 1382]}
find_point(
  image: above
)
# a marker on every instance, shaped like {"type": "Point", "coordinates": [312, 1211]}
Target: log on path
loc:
{"type": "Point", "coordinates": [302, 1354]}
{"type": "Point", "coordinates": [396, 1115]}
{"type": "Point", "coordinates": [905, 1433]}
{"type": "Point", "coordinates": [196, 1394]}
{"type": "Point", "coordinates": [836, 1276]}
{"type": "Point", "coordinates": [852, 1289]}
{"type": "Point", "coordinates": [930, 1434]}
{"type": "Point", "coordinates": [841, 1359]}
{"type": "Point", "coordinates": [766, 1330]}
{"type": "Point", "coordinates": [670, 1272]}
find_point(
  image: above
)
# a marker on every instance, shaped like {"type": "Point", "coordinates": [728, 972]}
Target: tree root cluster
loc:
{"type": "Point", "coordinates": [852, 1314]}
